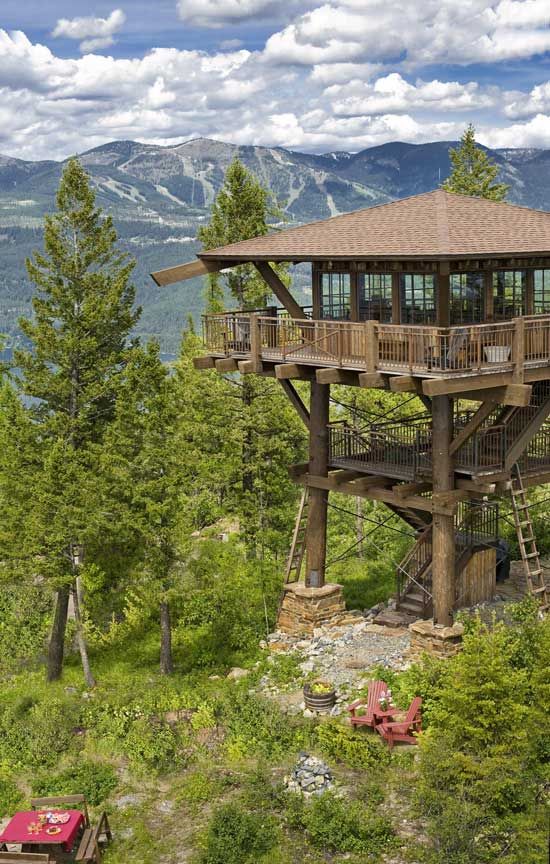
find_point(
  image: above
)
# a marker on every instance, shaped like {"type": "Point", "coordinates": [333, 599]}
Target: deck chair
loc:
{"type": "Point", "coordinates": [368, 704]}
{"type": "Point", "coordinates": [22, 857]}
{"type": "Point", "coordinates": [71, 802]}
{"type": "Point", "coordinates": [89, 849]}
{"type": "Point", "coordinates": [458, 343]}
{"type": "Point", "coordinates": [405, 729]}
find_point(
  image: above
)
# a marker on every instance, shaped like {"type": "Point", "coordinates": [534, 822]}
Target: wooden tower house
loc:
{"type": "Point", "coordinates": [440, 295]}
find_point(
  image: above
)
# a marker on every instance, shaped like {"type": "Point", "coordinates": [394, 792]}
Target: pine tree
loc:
{"type": "Point", "coordinates": [79, 335]}
{"type": "Point", "coordinates": [241, 210]}
{"type": "Point", "coordinates": [473, 173]}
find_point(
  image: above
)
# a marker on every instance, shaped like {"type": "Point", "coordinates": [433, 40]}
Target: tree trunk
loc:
{"type": "Point", "coordinates": [359, 526]}
{"type": "Point", "coordinates": [81, 640]}
{"type": "Point", "coordinates": [56, 645]}
{"type": "Point", "coordinates": [166, 660]}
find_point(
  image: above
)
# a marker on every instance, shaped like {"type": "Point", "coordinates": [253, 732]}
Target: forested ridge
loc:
{"type": "Point", "coordinates": [145, 516]}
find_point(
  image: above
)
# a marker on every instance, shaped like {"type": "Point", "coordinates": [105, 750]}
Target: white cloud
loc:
{"type": "Point", "coordinates": [95, 33]}
{"type": "Point", "coordinates": [393, 93]}
{"type": "Point", "coordinates": [534, 133]}
{"type": "Point", "coordinates": [421, 31]}
{"type": "Point", "coordinates": [537, 102]}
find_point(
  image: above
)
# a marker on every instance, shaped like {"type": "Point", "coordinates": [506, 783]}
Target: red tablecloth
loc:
{"type": "Point", "coordinates": [16, 831]}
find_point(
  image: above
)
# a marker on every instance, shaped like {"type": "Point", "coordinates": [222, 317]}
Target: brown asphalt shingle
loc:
{"type": "Point", "coordinates": [433, 224]}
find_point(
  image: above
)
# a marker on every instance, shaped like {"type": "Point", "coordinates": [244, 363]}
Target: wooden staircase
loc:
{"type": "Point", "coordinates": [534, 573]}
{"type": "Point", "coordinates": [298, 546]}
{"type": "Point", "coordinates": [474, 529]}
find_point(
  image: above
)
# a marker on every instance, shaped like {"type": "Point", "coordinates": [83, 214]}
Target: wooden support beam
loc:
{"type": "Point", "coordinates": [248, 367]}
{"type": "Point", "coordinates": [296, 401]}
{"type": "Point", "coordinates": [513, 394]}
{"type": "Point", "coordinates": [204, 362]}
{"type": "Point", "coordinates": [473, 486]}
{"type": "Point", "coordinates": [373, 379]}
{"type": "Point", "coordinates": [528, 433]}
{"type": "Point", "coordinates": [466, 383]}
{"type": "Point", "coordinates": [344, 476]}
{"type": "Point", "coordinates": [405, 384]}
{"type": "Point", "coordinates": [280, 290]}
{"type": "Point", "coordinates": [449, 498]}
{"type": "Point", "coordinates": [374, 491]}
{"type": "Point", "coordinates": [294, 370]}
{"type": "Point", "coordinates": [226, 364]}
{"type": "Point", "coordinates": [471, 426]}
{"type": "Point", "coordinates": [316, 533]}
{"type": "Point", "coordinates": [181, 272]}
{"type": "Point", "coordinates": [443, 542]}
{"type": "Point", "coordinates": [405, 489]}
{"type": "Point", "coordinates": [298, 470]}
{"type": "Point", "coordinates": [337, 376]}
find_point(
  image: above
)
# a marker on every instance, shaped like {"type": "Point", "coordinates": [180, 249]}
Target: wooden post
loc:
{"type": "Point", "coordinates": [316, 540]}
{"type": "Point", "coordinates": [489, 298]}
{"type": "Point", "coordinates": [396, 297]}
{"type": "Point", "coordinates": [316, 291]}
{"type": "Point", "coordinates": [530, 292]}
{"type": "Point", "coordinates": [519, 350]}
{"type": "Point", "coordinates": [443, 568]}
{"type": "Point", "coordinates": [371, 358]}
{"type": "Point", "coordinates": [443, 295]}
{"type": "Point", "coordinates": [255, 342]}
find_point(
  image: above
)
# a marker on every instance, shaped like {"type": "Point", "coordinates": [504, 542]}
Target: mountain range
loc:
{"type": "Point", "coordinates": [159, 196]}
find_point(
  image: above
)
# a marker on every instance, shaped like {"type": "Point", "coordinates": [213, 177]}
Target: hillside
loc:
{"type": "Point", "coordinates": [158, 197]}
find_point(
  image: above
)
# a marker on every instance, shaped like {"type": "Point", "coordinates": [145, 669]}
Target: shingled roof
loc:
{"type": "Point", "coordinates": [433, 225]}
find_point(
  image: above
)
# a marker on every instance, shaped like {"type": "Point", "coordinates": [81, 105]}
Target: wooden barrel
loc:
{"type": "Point", "coordinates": [320, 702]}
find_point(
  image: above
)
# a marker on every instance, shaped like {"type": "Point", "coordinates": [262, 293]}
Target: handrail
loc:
{"type": "Point", "coordinates": [372, 346]}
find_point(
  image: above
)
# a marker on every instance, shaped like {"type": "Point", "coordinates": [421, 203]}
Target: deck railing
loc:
{"type": "Point", "coordinates": [371, 346]}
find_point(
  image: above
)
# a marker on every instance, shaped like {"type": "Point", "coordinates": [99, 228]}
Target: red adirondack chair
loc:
{"type": "Point", "coordinates": [404, 729]}
{"type": "Point", "coordinates": [376, 688]}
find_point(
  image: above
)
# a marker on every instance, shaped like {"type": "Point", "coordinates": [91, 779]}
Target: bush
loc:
{"type": "Point", "coordinates": [152, 745]}
{"type": "Point", "coordinates": [235, 836]}
{"type": "Point", "coordinates": [10, 795]}
{"type": "Point", "coordinates": [337, 825]}
{"type": "Point", "coordinates": [354, 748]}
{"type": "Point", "coordinates": [257, 727]}
{"type": "Point", "coordinates": [95, 780]}
{"type": "Point", "coordinates": [34, 733]}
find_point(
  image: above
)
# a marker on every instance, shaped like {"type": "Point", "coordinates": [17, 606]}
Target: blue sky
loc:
{"type": "Point", "coordinates": [311, 75]}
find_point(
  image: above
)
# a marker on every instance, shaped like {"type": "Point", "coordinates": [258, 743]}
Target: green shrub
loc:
{"type": "Point", "coordinates": [35, 733]}
{"type": "Point", "coordinates": [285, 669]}
{"type": "Point", "coordinates": [10, 795]}
{"type": "Point", "coordinates": [200, 787]}
{"type": "Point", "coordinates": [152, 745]}
{"type": "Point", "coordinates": [355, 748]}
{"type": "Point", "coordinates": [235, 836]}
{"type": "Point", "coordinates": [334, 824]}
{"type": "Point", "coordinates": [257, 727]}
{"type": "Point", "coordinates": [95, 780]}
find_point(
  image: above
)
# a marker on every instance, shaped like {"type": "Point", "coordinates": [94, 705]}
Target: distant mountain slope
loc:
{"type": "Point", "coordinates": [159, 196]}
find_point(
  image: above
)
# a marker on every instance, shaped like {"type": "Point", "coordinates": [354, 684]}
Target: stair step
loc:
{"type": "Point", "coordinates": [408, 606]}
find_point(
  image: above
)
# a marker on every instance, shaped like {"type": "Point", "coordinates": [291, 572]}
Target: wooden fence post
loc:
{"type": "Point", "coordinates": [255, 342]}
{"type": "Point", "coordinates": [371, 346]}
{"type": "Point", "coordinates": [519, 350]}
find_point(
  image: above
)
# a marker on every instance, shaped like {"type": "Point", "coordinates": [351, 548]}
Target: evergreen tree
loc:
{"type": "Point", "coordinates": [83, 315]}
{"type": "Point", "coordinates": [473, 173]}
{"type": "Point", "coordinates": [241, 210]}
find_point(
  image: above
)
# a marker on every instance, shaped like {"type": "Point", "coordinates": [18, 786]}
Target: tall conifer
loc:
{"type": "Point", "coordinates": [79, 343]}
{"type": "Point", "coordinates": [473, 172]}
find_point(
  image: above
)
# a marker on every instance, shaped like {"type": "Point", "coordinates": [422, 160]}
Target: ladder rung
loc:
{"type": "Point", "coordinates": [539, 590]}
{"type": "Point", "coordinates": [532, 555]}
{"type": "Point", "coordinates": [535, 572]}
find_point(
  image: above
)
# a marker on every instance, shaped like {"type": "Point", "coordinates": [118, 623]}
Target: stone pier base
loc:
{"type": "Point", "coordinates": [427, 637]}
{"type": "Point", "coordinates": [303, 609]}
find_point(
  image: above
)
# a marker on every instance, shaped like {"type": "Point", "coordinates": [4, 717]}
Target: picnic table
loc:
{"type": "Point", "coordinates": [17, 829]}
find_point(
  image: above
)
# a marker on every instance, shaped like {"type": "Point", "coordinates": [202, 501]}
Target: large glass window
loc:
{"type": "Point", "coordinates": [374, 296]}
{"type": "Point", "coordinates": [508, 294]}
{"type": "Point", "coordinates": [542, 292]}
{"type": "Point", "coordinates": [417, 298]}
{"type": "Point", "coordinates": [466, 298]}
{"type": "Point", "coordinates": [335, 295]}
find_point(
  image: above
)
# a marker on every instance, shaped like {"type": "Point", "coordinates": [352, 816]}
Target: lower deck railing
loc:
{"type": "Point", "coordinates": [371, 346]}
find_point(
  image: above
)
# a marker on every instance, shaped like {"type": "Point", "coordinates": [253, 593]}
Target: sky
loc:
{"type": "Point", "coordinates": [308, 75]}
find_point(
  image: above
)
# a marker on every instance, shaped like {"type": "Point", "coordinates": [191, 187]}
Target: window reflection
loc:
{"type": "Point", "coordinates": [509, 294]}
{"type": "Point", "coordinates": [335, 295]}
{"type": "Point", "coordinates": [466, 300]}
{"type": "Point", "coordinates": [417, 298]}
{"type": "Point", "coordinates": [374, 296]}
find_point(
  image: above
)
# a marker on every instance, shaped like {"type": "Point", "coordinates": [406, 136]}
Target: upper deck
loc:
{"type": "Point", "coordinates": [514, 347]}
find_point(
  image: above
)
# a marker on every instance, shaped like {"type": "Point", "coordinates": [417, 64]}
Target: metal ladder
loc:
{"type": "Point", "coordinates": [298, 546]}
{"type": "Point", "coordinates": [534, 573]}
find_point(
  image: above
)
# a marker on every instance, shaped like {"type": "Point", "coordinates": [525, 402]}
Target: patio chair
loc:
{"type": "Point", "coordinates": [368, 704]}
{"type": "Point", "coordinates": [92, 839]}
{"type": "Point", "coordinates": [71, 802]}
{"type": "Point", "coordinates": [405, 729]}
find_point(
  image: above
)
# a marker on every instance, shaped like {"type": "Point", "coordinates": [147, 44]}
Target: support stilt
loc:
{"type": "Point", "coordinates": [443, 574]}
{"type": "Point", "coordinates": [316, 542]}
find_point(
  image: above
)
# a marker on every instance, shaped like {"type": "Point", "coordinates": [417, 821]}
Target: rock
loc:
{"type": "Point", "coordinates": [214, 677]}
{"type": "Point", "coordinates": [309, 714]}
{"type": "Point", "coordinates": [128, 801]}
{"type": "Point", "coordinates": [166, 806]}
{"type": "Point", "coordinates": [237, 673]}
